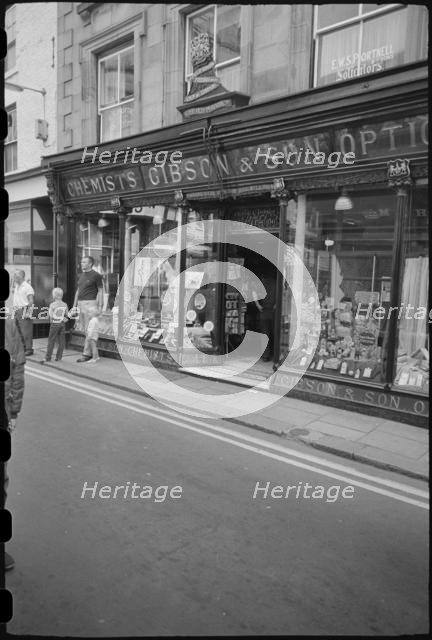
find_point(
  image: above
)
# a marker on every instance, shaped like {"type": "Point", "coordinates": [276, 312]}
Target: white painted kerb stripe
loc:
{"type": "Point", "coordinates": [237, 443]}
{"type": "Point", "coordinates": [404, 488]}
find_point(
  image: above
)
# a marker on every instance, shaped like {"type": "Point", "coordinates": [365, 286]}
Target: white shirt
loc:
{"type": "Point", "coordinates": [21, 293]}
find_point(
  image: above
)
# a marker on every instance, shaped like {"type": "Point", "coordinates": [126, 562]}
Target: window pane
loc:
{"type": "Point", "coordinates": [384, 40]}
{"type": "Point", "coordinates": [10, 60]}
{"type": "Point", "coordinates": [338, 55]}
{"type": "Point", "coordinates": [10, 157]}
{"type": "Point", "coordinates": [412, 358]}
{"type": "Point", "coordinates": [110, 124]}
{"type": "Point", "coordinates": [109, 80]}
{"type": "Point", "coordinates": [228, 33]}
{"type": "Point", "coordinates": [367, 8]}
{"type": "Point", "coordinates": [388, 40]}
{"type": "Point", "coordinates": [349, 256]}
{"type": "Point", "coordinates": [329, 14]}
{"type": "Point", "coordinates": [149, 315]}
{"type": "Point", "coordinates": [17, 241]}
{"type": "Point", "coordinates": [126, 75]}
{"type": "Point", "coordinates": [126, 119]}
{"type": "Point", "coordinates": [201, 23]}
{"type": "Point", "coordinates": [12, 126]}
{"type": "Point", "coordinates": [201, 314]}
{"type": "Point", "coordinates": [42, 255]}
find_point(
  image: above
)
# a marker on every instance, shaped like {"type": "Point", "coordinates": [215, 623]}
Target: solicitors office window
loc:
{"type": "Point", "coordinates": [116, 94]}
{"type": "Point", "coordinates": [10, 23]}
{"type": "Point", "coordinates": [10, 144]}
{"type": "Point", "coordinates": [222, 24]}
{"type": "Point", "coordinates": [353, 40]}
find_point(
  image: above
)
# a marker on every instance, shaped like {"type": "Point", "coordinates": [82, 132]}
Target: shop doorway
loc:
{"type": "Point", "coordinates": [259, 314]}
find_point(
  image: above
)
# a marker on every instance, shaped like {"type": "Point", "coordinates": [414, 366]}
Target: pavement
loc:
{"type": "Point", "coordinates": [383, 443]}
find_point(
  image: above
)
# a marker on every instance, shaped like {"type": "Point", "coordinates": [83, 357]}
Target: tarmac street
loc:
{"type": "Point", "coordinates": [210, 559]}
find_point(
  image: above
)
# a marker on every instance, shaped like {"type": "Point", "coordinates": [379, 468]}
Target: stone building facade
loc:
{"type": "Point", "coordinates": [31, 104]}
{"type": "Point", "coordinates": [274, 60]}
{"type": "Point", "coordinates": [306, 122]}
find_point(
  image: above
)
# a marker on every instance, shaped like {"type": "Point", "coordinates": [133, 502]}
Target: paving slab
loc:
{"type": "Point", "coordinates": [351, 419]}
{"type": "Point", "coordinates": [335, 430]}
{"type": "Point", "coordinates": [396, 444]}
{"type": "Point", "coordinates": [394, 462]}
{"type": "Point", "coordinates": [397, 429]}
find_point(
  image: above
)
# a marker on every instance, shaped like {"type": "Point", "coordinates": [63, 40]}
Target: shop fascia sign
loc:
{"type": "Point", "coordinates": [368, 141]}
{"type": "Point", "coordinates": [365, 142]}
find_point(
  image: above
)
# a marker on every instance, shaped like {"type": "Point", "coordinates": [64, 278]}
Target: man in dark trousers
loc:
{"type": "Point", "coordinates": [88, 295]}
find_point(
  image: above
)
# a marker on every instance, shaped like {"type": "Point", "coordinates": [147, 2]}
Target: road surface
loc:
{"type": "Point", "coordinates": [215, 561]}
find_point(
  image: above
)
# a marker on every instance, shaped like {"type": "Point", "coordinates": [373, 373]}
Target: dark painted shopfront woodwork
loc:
{"type": "Point", "coordinates": [228, 169]}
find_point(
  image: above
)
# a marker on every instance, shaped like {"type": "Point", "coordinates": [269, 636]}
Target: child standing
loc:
{"type": "Point", "coordinates": [58, 314]}
{"type": "Point", "coordinates": [90, 353]}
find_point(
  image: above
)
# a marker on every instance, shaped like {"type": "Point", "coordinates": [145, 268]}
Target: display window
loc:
{"type": "Point", "coordinates": [346, 243]}
{"type": "Point", "coordinates": [148, 308]}
{"type": "Point", "coordinates": [201, 285]}
{"type": "Point", "coordinates": [42, 279]}
{"type": "Point", "coordinates": [99, 238]}
{"type": "Point", "coordinates": [18, 241]}
{"type": "Point", "coordinates": [412, 356]}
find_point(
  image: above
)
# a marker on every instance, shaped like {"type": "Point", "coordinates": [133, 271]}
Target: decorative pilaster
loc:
{"type": "Point", "coordinates": [400, 180]}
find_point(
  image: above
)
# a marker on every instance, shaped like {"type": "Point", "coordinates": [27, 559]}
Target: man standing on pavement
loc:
{"type": "Point", "coordinates": [23, 298]}
{"type": "Point", "coordinates": [89, 293]}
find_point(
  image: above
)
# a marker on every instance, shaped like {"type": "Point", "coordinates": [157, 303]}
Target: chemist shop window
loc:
{"type": "Point", "coordinates": [348, 250]}
{"type": "Point", "coordinates": [98, 237]}
{"type": "Point", "coordinates": [149, 309]}
{"type": "Point", "coordinates": [116, 94]}
{"type": "Point", "coordinates": [222, 25]}
{"type": "Point", "coordinates": [353, 40]}
{"type": "Point", "coordinates": [412, 356]}
{"type": "Point", "coordinates": [201, 288]}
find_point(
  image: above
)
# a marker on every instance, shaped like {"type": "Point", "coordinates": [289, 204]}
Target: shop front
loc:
{"type": "Point", "coordinates": [343, 180]}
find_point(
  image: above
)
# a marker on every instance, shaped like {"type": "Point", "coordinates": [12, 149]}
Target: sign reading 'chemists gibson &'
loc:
{"type": "Point", "coordinates": [332, 148]}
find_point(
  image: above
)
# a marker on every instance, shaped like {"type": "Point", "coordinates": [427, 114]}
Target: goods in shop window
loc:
{"type": "Point", "coordinates": [332, 363]}
{"type": "Point", "coordinates": [200, 301]}
{"type": "Point", "coordinates": [157, 335]}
